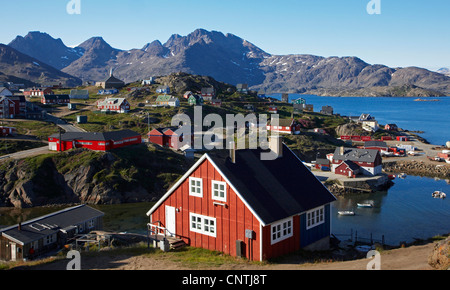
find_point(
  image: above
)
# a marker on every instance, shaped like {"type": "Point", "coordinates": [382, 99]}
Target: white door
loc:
{"type": "Point", "coordinates": [170, 220]}
{"type": "Point", "coordinates": [13, 251]}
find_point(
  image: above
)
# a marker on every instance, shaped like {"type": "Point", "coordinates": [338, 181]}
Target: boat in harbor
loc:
{"type": "Point", "coordinates": [439, 194]}
{"type": "Point", "coordinates": [402, 175]}
{"type": "Point", "coordinates": [346, 213]}
{"type": "Point", "coordinates": [366, 205]}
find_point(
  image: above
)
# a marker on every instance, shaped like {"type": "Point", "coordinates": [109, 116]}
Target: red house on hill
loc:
{"type": "Point", "coordinates": [93, 141]}
{"type": "Point", "coordinates": [244, 206]}
{"type": "Point", "coordinates": [167, 137]}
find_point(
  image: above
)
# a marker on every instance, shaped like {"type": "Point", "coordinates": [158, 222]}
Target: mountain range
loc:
{"type": "Point", "coordinates": [231, 59]}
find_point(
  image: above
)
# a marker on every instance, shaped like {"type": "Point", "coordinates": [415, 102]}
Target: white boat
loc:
{"type": "Point", "coordinates": [402, 175]}
{"type": "Point", "coordinates": [368, 205]}
{"type": "Point", "coordinates": [346, 212]}
{"type": "Point", "coordinates": [438, 194]}
{"type": "Point", "coordinates": [447, 160]}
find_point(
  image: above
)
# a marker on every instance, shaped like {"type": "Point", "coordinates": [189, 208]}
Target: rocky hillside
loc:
{"type": "Point", "coordinates": [231, 59]}
{"type": "Point", "coordinates": [125, 175]}
{"type": "Point", "coordinates": [15, 64]}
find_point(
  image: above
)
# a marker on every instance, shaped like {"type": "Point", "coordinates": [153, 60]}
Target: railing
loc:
{"type": "Point", "coordinates": [159, 229]}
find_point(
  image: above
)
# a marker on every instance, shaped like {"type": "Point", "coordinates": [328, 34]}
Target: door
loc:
{"type": "Point", "coordinates": [13, 251]}
{"type": "Point", "coordinates": [170, 220]}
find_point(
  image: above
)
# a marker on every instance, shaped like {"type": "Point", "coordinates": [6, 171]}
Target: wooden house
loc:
{"type": "Point", "coordinates": [348, 168]}
{"type": "Point", "coordinates": [37, 92]}
{"type": "Point", "coordinates": [368, 160]}
{"type": "Point", "coordinates": [285, 126]}
{"type": "Point", "coordinates": [376, 145]}
{"type": "Point", "coordinates": [216, 102]}
{"type": "Point", "coordinates": [327, 110]}
{"type": "Point", "coordinates": [273, 109]}
{"type": "Point", "coordinates": [36, 237]}
{"type": "Point", "coordinates": [167, 100]}
{"type": "Point", "coordinates": [55, 99]}
{"type": "Point", "coordinates": [112, 82]}
{"type": "Point", "coordinates": [117, 105]}
{"type": "Point", "coordinates": [242, 88]}
{"type": "Point", "coordinates": [244, 206]}
{"type": "Point", "coordinates": [167, 137]}
{"type": "Point", "coordinates": [390, 127]}
{"type": "Point", "coordinates": [208, 93]}
{"type": "Point", "coordinates": [195, 100]}
{"type": "Point", "coordinates": [7, 108]}
{"type": "Point", "coordinates": [4, 92]}
{"type": "Point", "coordinates": [79, 94]}
{"type": "Point", "coordinates": [163, 90]}
{"type": "Point", "coordinates": [93, 141]}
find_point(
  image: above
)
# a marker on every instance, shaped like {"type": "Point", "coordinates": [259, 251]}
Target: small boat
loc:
{"type": "Point", "coordinates": [439, 194]}
{"type": "Point", "coordinates": [346, 212]}
{"type": "Point", "coordinates": [367, 205]}
{"type": "Point", "coordinates": [402, 175]}
{"type": "Point", "coordinates": [447, 160]}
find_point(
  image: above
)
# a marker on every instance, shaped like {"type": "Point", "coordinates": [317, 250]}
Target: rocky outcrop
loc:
{"type": "Point", "coordinates": [440, 256]}
{"type": "Point", "coordinates": [418, 168]}
{"type": "Point", "coordinates": [86, 177]}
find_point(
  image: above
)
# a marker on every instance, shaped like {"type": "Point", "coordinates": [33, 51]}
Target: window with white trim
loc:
{"type": "Point", "coordinates": [196, 186]}
{"type": "Point", "coordinates": [281, 230]}
{"type": "Point", "coordinates": [203, 224]}
{"type": "Point", "coordinates": [219, 190]}
{"type": "Point", "coordinates": [315, 217]}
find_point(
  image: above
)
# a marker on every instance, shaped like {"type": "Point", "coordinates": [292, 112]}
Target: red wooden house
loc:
{"type": "Point", "coordinates": [37, 92]}
{"type": "Point", "coordinates": [93, 141]}
{"type": "Point", "coordinates": [55, 99]}
{"type": "Point", "coordinates": [286, 126]}
{"type": "Point", "coordinates": [369, 160]}
{"type": "Point", "coordinates": [348, 168]}
{"type": "Point", "coordinates": [118, 105]}
{"type": "Point", "coordinates": [166, 137]}
{"type": "Point", "coordinates": [244, 206]}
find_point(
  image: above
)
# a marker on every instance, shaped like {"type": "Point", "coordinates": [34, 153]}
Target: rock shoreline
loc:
{"type": "Point", "coordinates": [418, 168]}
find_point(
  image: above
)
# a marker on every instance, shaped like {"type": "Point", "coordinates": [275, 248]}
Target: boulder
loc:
{"type": "Point", "coordinates": [440, 256]}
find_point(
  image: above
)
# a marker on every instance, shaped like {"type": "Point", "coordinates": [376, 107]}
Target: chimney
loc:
{"type": "Point", "coordinates": [19, 227]}
{"type": "Point", "coordinates": [276, 145]}
{"type": "Point", "coordinates": [341, 150]}
{"type": "Point", "coordinates": [233, 152]}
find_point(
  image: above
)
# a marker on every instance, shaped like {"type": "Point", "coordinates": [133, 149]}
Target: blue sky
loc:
{"type": "Point", "coordinates": [406, 33]}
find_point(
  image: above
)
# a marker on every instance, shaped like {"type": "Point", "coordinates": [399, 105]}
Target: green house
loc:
{"type": "Point", "coordinates": [299, 101]}
{"type": "Point", "coordinates": [195, 100]}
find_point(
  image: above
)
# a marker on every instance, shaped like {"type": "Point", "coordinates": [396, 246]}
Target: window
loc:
{"type": "Point", "coordinates": [91, 224]}
{"type": "Point", "coordinates": [195, 186]}
{"type": "Point", "coordinates": [203, 225]}
{"type": "Point", "coordinates": [281, 230]}
{"type": "Point", "coordinates": [219, 190]}
{"type": "Point", "coordinates": [315, 217]}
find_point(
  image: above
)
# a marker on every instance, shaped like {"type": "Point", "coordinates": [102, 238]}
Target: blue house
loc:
{"type": "Point", "coordinates": [163, 90]}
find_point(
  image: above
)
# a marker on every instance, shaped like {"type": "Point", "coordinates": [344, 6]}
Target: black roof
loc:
{"type": "Point", "coordinates": [93, 136]}
{"type": "Point", "coordinates": [274, 189]}
{"type": "Point", "coordinates": [46, 225]}
{"type": "Point", "coordinates": [55, 97]}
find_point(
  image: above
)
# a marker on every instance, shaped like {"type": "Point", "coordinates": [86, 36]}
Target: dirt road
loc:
{"type": "Point", "coordinates": [410, 258]}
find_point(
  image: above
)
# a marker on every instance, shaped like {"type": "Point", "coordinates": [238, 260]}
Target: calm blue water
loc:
{"type": "Point", "coordinates": [405, 212]}
{"type": "Point", "coordinates": [431, 117]}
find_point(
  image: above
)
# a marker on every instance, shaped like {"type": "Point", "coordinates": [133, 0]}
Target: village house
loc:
{"type": "Point", "coordinates": [55, 99]}
{"type": "Point", "coordinates": [208, 93]}
{"type": "Point", "coordinates": [37, 92]}
{"type": "Point", "coordinates": [273, 109]}
{"type": "Point", "coordinates": [79, 94]}
{"type": "Point", "coordinates": [188, 94]}
{"type": "Point", "coordinates": [4, 92]}
{"type": "Point", "coordinates": [7, 131]}
{"type": "Point", "coordinates": [390, 127]}
{"type": "Point", "coordinates": [247, 207]}
{"type": "Point", "coordinates": [286, 126]}
{"type": "Point", "coordinates": [195, 100]}
{"type": "Point", "coordinates": [31, 239]}
{"type": "Point", "coordinates": [327, 110]}
{"type": "Point", "coordinates": [376, 145]}
{"type": "Point", "coordinates": [111, 82]}
{"type": "Point", "coordinates": [370, 125]}
{"type": "Point", "coordinates": [166, 137]}
{"type": "Point", "coordinates": [348, 168]}
{"type": "Point", "coordinates": [163, 90]}
{"type": "Point", "coordinates": [216, 102]}
{"type": "Point", "coordinates": [7, 108]}
{"type": "Point", "coordinates": [94, 141]}
{"type": "Point", "coordinates": [242, 88]}
{"type": "Point", "coordinates": [148, 82]}
{"type": "Point", "coordinates": [117, 105]}
{"type": "Point", "coordinates": [108, 92]}
{"type": "Point", "coordinates": [167, 100]}
{"type": "Point", "coordinates": [368, 160]}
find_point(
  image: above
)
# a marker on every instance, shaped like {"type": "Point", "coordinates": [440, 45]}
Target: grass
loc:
{"type": "Point", "coordinates": [39, 129]}
{"type": "Point", "coordinates": [9, 147]}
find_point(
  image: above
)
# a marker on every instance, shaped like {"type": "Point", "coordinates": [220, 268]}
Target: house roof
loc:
{"type": "Point", "coordinates": [375, 144]}
{"type": "Point", "coordinates": [91, 136]}
{"type": "Point", "coordinates": [166, 98]}
{"type": "Point", "coordinates": [4, 90]}
{"type": "Point", "coordinates": [358, 155]}
{"type": "Point", "coordinates": [56, 97]}
{"type": "Point", "coordinates": [43, 226]}
{"type": "Point", "coordinates": [115, 101]}
{"type": "Point", "coordinates": [283, 122]}
{"type": "Point", "coordinates": [273, 190]}
{"type": "Point", "coordinates": [351, 165]}
{"type": "Point", "coordinates": [79, 92]}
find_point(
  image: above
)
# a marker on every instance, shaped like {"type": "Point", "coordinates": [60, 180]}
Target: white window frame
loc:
{"type": "Point", "coordinates": [315, 217]}
{"type": "Point", "coordinates": [281, 230]}
{"type": "Point", "coordinates": [195, 193]}
{"type": "Point", "coordinates": [213, 191]}
{"type": "Point", "coordinates": [203, 224]}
